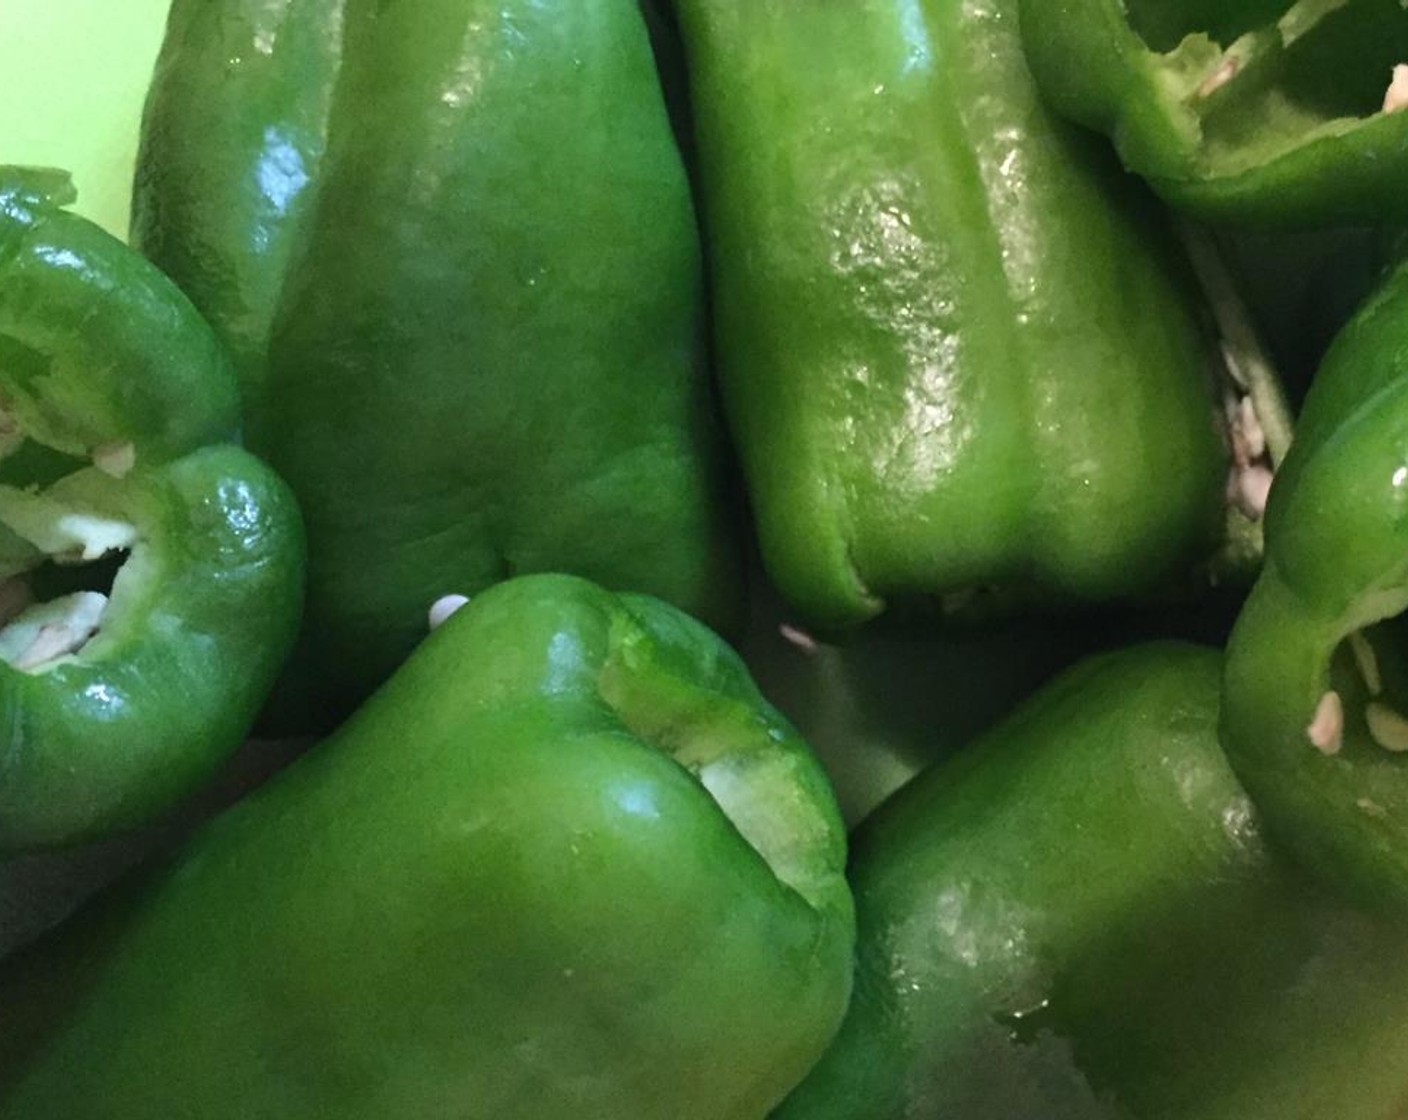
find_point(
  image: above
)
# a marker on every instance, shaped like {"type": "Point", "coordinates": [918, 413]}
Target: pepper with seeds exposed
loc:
{"type": "Point", "coordinates": [1317, 679]}
{"type": "Point", "coordinates": [1260, 112]}
{"type": "Point", "coordinates": [120, 693]}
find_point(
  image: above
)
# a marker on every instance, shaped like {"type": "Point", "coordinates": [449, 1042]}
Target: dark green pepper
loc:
{"type": "Point", "coordinates": [124, 691]}
{"type": "Point", "coordinates": [1317, 681]}
{"type": "Point", "coordinates": [892, 699]}
{"type": "Point", "coordinates": [957, 361]}
{"type": "Point", "coordinates": [1303, 287]}
{"type": "Point", "coordinates": [1260, 112]}
{"type": "Point", "coordinates": [565, 865]}
{"type": "Point", "coordinates": [452, 247]}
{"type": "Point", "coordinates": [1079, 919]}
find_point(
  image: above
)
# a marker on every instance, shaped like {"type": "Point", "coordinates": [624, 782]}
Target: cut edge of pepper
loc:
{"type": "Point", "coordinates": [1255, 417]}
{"type": "Point", "coordinates": [1217, 97]}
{"type": "Point", "coordinates": [39, 527]}
{"type": "Point", "coordinates": [751, 766]}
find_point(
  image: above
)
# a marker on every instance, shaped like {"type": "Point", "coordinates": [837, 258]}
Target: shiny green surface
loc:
{"type": "Point", "coordinates": [1337, 563]}
{"type": "Point", "coordinates": [452, 247]}
{"type": "Point", "coordinates": [98, 350]}
{"type": "Point", "coordinates": [1268, 113]}
{"type": "Point", "coordinates": [955, 357]}
{"type": "Point", "coordinates": [233, 140]}
{"type": "Point", "coordinates": [96, 345]}
{"type": "Point", "coordinates": [1079, 919]}
{"type": "Point", "coordinates": [515, 884]}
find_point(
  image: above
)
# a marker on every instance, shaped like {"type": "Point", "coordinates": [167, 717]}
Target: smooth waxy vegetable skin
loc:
{"type": "Point", "coordinates": [958, 362]}
{"type": "Point", "coordinates": [452, 248]}
{"type": "Point", "coordinates": [1078, 918]}
{"type": "Point", "coordinates": [1316, 716]}
{"type": "Point", "coordinates": [121, 693]}
{"type": "Point", "coordinates": [1258, 112]}
{"type": "Point", "coordinates": [565, 864]}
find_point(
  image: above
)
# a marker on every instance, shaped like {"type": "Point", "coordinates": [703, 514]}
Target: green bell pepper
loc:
{"type": "Point", "coordinates": [117, 407]}
{"type": "Point", "coordinates": [566, 864]}
{"type": "Point", "coordinates": [1317, 682]}
{"type": "Point", "coordinates": [1260, 112]}
{"type": "Point", "coordinates": [452, 248]}
{"type": "Point", "coordinates": [1079, 919]}
{"type": "Point", "coordinates": [958, 360]}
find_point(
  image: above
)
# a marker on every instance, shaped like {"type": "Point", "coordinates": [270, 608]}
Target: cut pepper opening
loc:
{"type": "Point", "coordinates": [744, 762]}
{"type": "Point", "coordinates": [60, 547]}
{"type": "Point", "coordinates": [1365, 704]}
{"type": "Point", "coordinates": [1256, 82]}
{"type": "Point", "coordinates": [42, 633]}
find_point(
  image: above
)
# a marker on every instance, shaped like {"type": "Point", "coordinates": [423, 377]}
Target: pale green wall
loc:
{"type": "Point", "coordinates": [73, 74]}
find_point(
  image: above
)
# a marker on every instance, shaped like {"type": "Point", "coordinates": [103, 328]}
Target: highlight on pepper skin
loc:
{"type": "Point", "coordinates": [150, 569]}
{"type": "Point", "coordinates": [1058, 770]}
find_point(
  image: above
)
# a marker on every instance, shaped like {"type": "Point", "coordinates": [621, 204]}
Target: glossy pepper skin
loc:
{"type": "Point", "coordinates": [1259, 112]}
{"type": "Point", "coordinates": [566, 863]}
{"type": "Point", "coordinates": [118, 411]}
{"type": "Point", "coordinates": [955, 358]}
{"type": "Point", "coordinates": [452, 248]}
{"type": "Point", "coordinates": [1316, 670]}
{"type": "Point", "coordinates": [1078, 919]}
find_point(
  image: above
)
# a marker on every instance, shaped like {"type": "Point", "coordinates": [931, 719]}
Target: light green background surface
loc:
{"type": "Point", "coordinates": [73, 74]}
